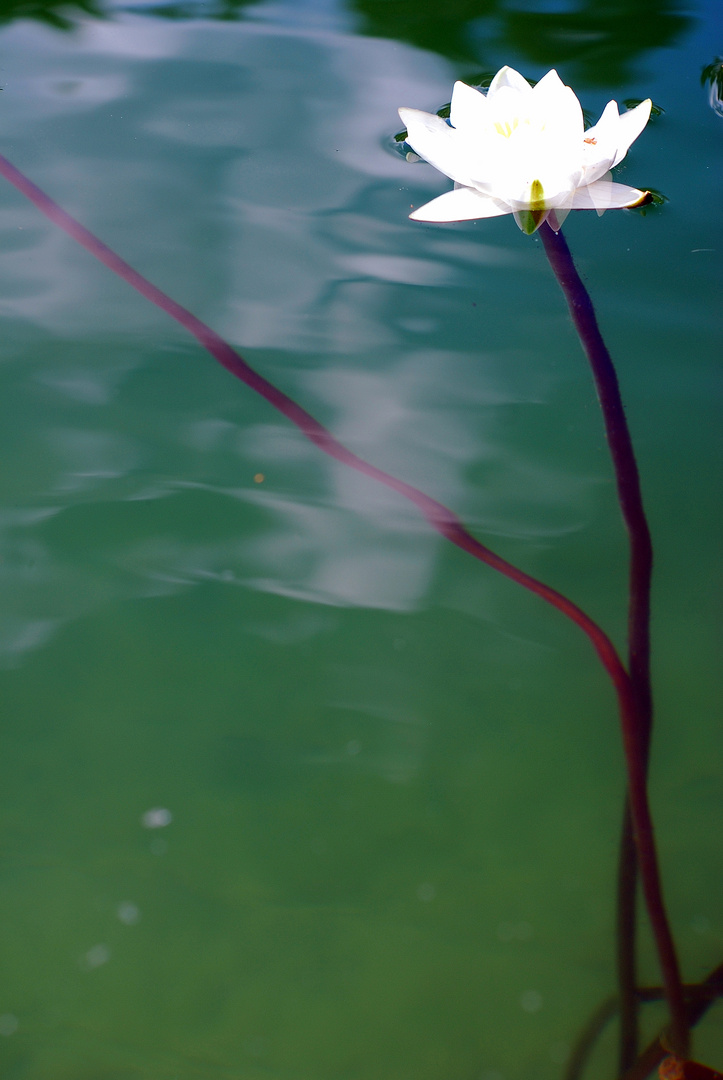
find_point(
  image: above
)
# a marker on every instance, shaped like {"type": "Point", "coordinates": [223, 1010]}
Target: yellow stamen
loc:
{"type": "Point", "coordinates": [505, 129]}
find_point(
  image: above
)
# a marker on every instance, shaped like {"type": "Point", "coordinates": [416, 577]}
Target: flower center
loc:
{"type": "Point", "coordinates": [505, 128]}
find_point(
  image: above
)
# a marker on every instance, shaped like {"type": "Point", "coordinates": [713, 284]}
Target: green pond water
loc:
{"type": "Point", "coordinates": [289, 787]}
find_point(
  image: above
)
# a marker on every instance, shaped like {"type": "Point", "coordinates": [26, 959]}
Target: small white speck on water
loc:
{"type": "Point", "coordinates": [531, 1001]}
{"type": "Point", "coordinates": [156, 818]}
{"type": "Point", "coordinates": [128, 913]}
{"type": "Point", "coordinates": [95, 957]}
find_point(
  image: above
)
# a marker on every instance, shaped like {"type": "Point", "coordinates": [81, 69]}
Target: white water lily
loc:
{"type": "Point", "coordinates": [523, 150]}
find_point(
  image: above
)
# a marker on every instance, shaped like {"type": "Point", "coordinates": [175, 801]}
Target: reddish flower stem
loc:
{"type": "Point", "coordinates": [637, 835]}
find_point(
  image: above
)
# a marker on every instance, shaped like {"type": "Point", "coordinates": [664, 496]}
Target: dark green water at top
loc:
{"type": "Point", "coordinates": [393, 780]}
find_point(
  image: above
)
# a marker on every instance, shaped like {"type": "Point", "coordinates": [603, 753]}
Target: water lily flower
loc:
{"type": "Point", "coordinates": [524, 150]}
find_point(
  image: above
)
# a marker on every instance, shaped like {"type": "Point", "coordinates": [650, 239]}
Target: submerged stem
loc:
{"type": "Point", "coordinates": [699, 998]}
{"type": "Point", "coordinates": [633, 838]}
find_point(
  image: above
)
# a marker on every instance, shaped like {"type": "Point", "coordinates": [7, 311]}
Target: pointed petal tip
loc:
{"type": "Point", "coordinates": [646, 105]}
{"type": "Point", "coordinates": [461, 204]}
{"type": "Point", "coordinates": [556, 217]}
{"type": "Point", "coordinates": [507, 76]}
{"type": "Point", "coordinates": [550, 77]}
{"type": "Point", "coordinates": [645, 198]}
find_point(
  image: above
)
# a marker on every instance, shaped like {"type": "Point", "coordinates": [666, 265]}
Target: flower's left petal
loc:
{"type": "Point", "coordinates": [468, 109]}
{"type": "Point", "coordinates": [439, 144]}
{"type": "Point", "coordinates": [462, 204]}
{"type": "Point", "coordinates": [605, 195]}
{"type": "Point", "coordinates": [631, 124]}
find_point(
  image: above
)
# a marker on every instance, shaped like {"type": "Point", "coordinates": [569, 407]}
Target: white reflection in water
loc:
{"type": "Point", "coordinates": [129, 37]}
{"type": "Point", "coordinates": [211, 433]}
{"type": "Point", "coordinates": [288, 157]}
{"type": "Point", "coordinates": [409, 412]}
{"type": "Point", "coordinates": [329, 557]}
{"type": "Point", "coordinates": [295, 254]}
{"type": "Point", "coordinates": [94, 384]}
{"type": "Point", "coordinates": [91, 457]}
{"type": "Point", "coordinates": [19, 636]}
{"type": "Point", "coordinates": [398, 268]}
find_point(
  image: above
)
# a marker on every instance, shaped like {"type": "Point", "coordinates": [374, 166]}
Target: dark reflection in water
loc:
{"type": "Point", "coordinates": [56, 13]}
{"type": "Point", "coordinates": [600, 43]}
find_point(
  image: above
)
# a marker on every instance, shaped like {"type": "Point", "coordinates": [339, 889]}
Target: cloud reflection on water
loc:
{"type": "Point", "coordinates": [276, 214]}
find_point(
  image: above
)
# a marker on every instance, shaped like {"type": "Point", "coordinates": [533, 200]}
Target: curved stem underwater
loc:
{"type": "Point", "coordinates": [640, 576]}
{"type": "Point", "coordinates": [439, 517]}
{"type": "Point", "coordinates": [443, 521]}
{"type": "Point", "coordinates": [627, 477]}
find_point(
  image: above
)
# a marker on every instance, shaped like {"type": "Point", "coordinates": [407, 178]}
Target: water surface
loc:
{"type": "Point", "coordinates": [393, 779]}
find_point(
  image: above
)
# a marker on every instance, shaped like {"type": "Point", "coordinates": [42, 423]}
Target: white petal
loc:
{"type": "Point", "coordinates": [630, 126]}
{"type": "Point", "coordinates": [462, 204]}
{"type": "Point", "coordinates": [562, 116]}
{"type": "Point", "coordinates": [556, 217]}
{"type": "Point", "coordinates": [468, 109]}
{"type": "Point", "coordinates": [607, 125]}
{"type": "Point", "coordinates": [549, 87]}
{"type": "Point", "coordinates": [597, 164]}
{"type": "Point", "coordinates": [438, 143]}
{"type": "Point", "coordinates": [507, 76]}
{"type": "Point", "coordinates": [508, 108]}
{"type": "Point", "coordinates": [605, 195]}
{"type": "Point", "coordinates": [556, 188]}
{"type": "Point", "coordinates": [600, 144]}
